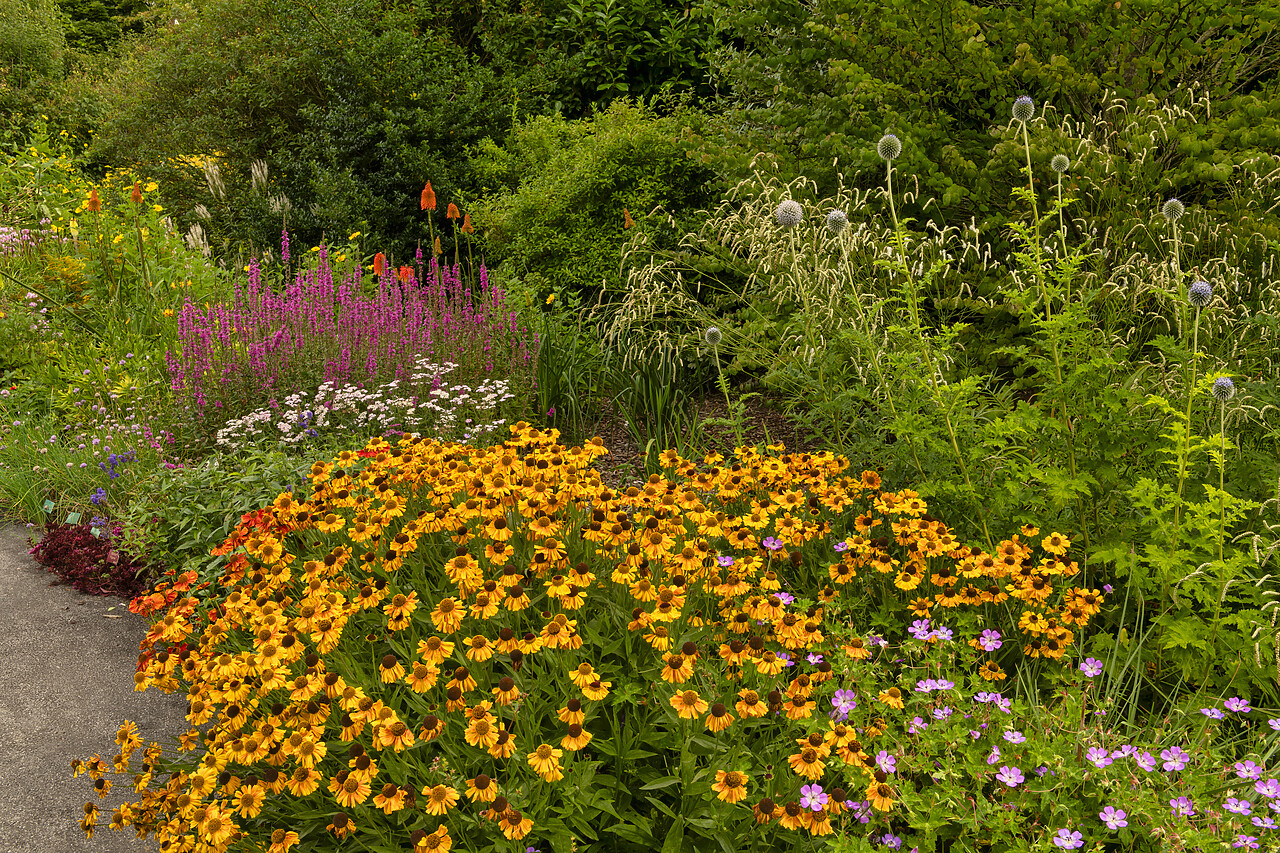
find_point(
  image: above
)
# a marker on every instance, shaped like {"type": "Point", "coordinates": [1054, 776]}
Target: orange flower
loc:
{"type": "Point", "coordinates": [627, 221]}
{"type": "Point", "coordinates": [807, 763]}
{"type": "Point", "coordinates": [514, 825]}
{"type": "Point", "coordinates": [719, 718]}
{"type": "Point", "coordinates": [95, 203]}
{"type": "Point", "coordinates": [437, 249]}
{"type": "Point", "coordinates": [689, 705]}
{"type": "Point", "coordinates": [434, 842]}
{"type": "Point", "coordinates": [453, 212]}
{"type": "Point", "coordinates": [379, 264]}
{"type": "Point", "coordinates": [891, 697]}
{"type": "Point", "coordinates": [730, 786]}
{"type": "Point", "coordinates": [440, 799]}
{"type": "Point", "coordinates": [467, 227]}
{"type": "Point", "coordinates": [880, 795]}
{"type": "Point", "coordinates": [428, 197]}
{"type": "Point", "coordinates": [481, 789]}
{"type": "Point", "coordinates": [136, 195]}
{"type": "Point", "coordinates": [282, 840]}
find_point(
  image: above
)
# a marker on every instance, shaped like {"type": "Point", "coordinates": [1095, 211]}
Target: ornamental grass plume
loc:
{"type": "Point", "coordinates": [450, 620]}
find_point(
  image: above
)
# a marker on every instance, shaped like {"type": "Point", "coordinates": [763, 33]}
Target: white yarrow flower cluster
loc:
{"type": "Point", "coordinates": [424, 404]}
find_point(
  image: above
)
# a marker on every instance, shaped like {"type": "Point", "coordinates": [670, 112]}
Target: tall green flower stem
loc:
{"type": "Point", "coordinates": [1186, 439]}
{"type": "Point", "coordinates": [935, 372]}
{"type": "Point", "coordinates": [1048, 310]}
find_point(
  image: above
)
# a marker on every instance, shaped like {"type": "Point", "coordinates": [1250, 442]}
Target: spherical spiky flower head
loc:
{"type": "Point", "coordinates": [837, 221]}
{"type": "Point", "coordinates": [1172, 210]}
{"type": "Point", "coordinates": [789, 214]}
{"type": "Point", "coordinates": [713, 336]}
{"type": "Point", "coordinates": [889, 147]}
{"type": "Point", "coordinates": [1060, 163]}
{"type": "Point", "coordinates": [1223, 389]}
{"type": "Point", "coordinates": [1024, 109]}
{"type": "Point", "coordinates": [1200, 294]}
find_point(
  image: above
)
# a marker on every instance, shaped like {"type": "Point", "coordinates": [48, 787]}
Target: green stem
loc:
{"type": "Point", "coordinates": [1035, 213]}
{"type": "Point", "coordinates": [45, 296]}
{"type": "Point", "coordinates": [1186, 442]}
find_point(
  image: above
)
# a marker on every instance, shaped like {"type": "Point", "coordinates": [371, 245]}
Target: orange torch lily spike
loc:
{"type": "Point", "coordinates": [428, 197]}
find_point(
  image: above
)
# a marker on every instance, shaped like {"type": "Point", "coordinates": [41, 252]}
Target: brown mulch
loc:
{"type": "Point", "coordinates": [765, 423]}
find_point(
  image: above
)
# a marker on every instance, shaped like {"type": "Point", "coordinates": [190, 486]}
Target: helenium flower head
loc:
{"type": "Point", "coordinates": [789, 213]}
{"type": "Point", "coordinates": [1200, 294]}
{"type": "Point", "coordinates": [1223, 389]}
{"type": "Point", "coordinates": [889, 147]}
{"type": "Point", "coordinates": [1024, 109]}
{"type": "Point", "coordinates": [1173, 210]}
{"type": "Point", "coordinates": [837, 221]}
{"type": "Point", "coordinates": [713, 336]}
{"type": "Point", "coordinates": [1060, 163]}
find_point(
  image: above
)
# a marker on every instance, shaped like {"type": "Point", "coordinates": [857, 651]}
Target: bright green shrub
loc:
{"type": "Point", "coordinates": [557, 192]}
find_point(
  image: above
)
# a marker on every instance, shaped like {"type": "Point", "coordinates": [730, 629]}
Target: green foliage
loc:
{"type": "Point", "coordinates": [352, 109]}
{"type": "Point", "coordinates": [823, 81]}
{"type": "Point", "coordinates": [556, 192]}
{"type": "Point", "coordinates": [577, 56]}
{"type": "Point", "coordinates": [96, 25]}
{"type": "Point", "coordinates": [32, 43]}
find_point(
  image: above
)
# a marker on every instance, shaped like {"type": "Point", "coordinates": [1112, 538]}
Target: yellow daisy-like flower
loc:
{"type": "Point", "coordinates": [582, 675]}
{"type": "Point", "coordinates": [447, 617]}
{"type": "Point", "coordinates": [283, 840]}
{"type": "Point", "coordinates": [390, 799]}
{"type": "Point", "coordinates": [597, 690]}
{"type": "Point", "coordinates": [545, 760]}
{"type": "Point", "coordinates": [514, 825]}
{"type": "Point", "coordinates": [352, 791]}
{"type": "Point", "coordinates": [576, 738]}
{"type": "Point", "coordinates": [1055, 543]}
{"type": "Point", "coordinates": [730, 785]}
{"type": "Point", "coordinates": [719, 718]}
{"type": "Point", "coordinates": [881, 796]}
{"type": "Point", "coordinates": [481, 789]}
{"type": "Point", "coordinates": [807, 763]}
{"type": "Point", "coordinates": [432, 842]}
{"type": "Point", "coordinates": [891, 697]}
{"type": "Point", "coordinates": [434, 650]}
{"type": "Point", "coordinates": [689, 705]}
{"type": "Point", "coordinates": [439, 799]}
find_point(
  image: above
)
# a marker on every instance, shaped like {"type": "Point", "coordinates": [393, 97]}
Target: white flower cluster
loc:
{"type": "Point", "coordinates": [422, 404]}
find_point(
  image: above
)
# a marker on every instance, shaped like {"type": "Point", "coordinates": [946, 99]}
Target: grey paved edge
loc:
{"type": "Point", "coordinates": [66, 684]}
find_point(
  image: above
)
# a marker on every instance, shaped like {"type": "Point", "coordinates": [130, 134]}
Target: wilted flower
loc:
{"type": "Point", "coordinates": [837, 221]}
{"type": "Point", "coordinates": [1223, 389]}
{"type": "Point", "coordinates": [789, 213]}
{"type": "Point", "coordinates": [1201, 294]}
{"type": "Point", "coordinates": [1024, 109]}
{"type": "Point", "coordinates": [627, 221]}
{"type": "Point", "coordinates": [1059, 163]}
{"type": "Point", "coordinates": [713, 336]}
{"type": "Point", "coordinates": [1173, 210]}
{"type": "Point", "coordinates": [889, 147]}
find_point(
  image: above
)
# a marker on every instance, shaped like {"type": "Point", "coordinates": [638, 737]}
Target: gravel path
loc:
{"type": "Point", "coordinates": [66, 683]}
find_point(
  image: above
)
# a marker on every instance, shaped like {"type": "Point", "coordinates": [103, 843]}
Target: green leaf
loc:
{"type": "Point", "coordinates": [675, 836]}
{"type": "Point", "coordinates": [659, 784]}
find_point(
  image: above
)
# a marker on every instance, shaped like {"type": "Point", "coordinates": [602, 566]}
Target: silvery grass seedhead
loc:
{"type": "Point", "coordinates": [789, 214]}
{"type": "Point", "coordinates": [1200, 294]}
{"type": "Point", "coordinates": [837, 221]}
{"type": "Point", "coordinates": [1060, 163]}
{"type": "Point", "coordinates": [889, 147]}
{"type": "Point", "coordinates": [1024, 109]}
{"type": "Point", "coordinates": [713, 336]}
{"type": "Point", "coordinates": [1223, 389]}
{"type": "Point", "coordinates": [1173, 210]}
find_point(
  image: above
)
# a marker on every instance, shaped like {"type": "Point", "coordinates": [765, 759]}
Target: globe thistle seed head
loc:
{"type": "Point", "coordinates": [1200, 294]}
{"type": "Point", "coordinates": [1060, 163]}
{"type": "Point", "coordinates": [789, 214]}
{"type": "Point", "coordinates": [1223, 389]}
{"type": "Point", "coordinates": [713, 336]}
{"type": "Point", "coordinates": [1024, 109]}
{"type": "Point", "coordinates": [889, 147]}
{"type": "Point", "coordinates": [837, 221]}
{"type": "Point", "coordinates": [1173, 210]}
